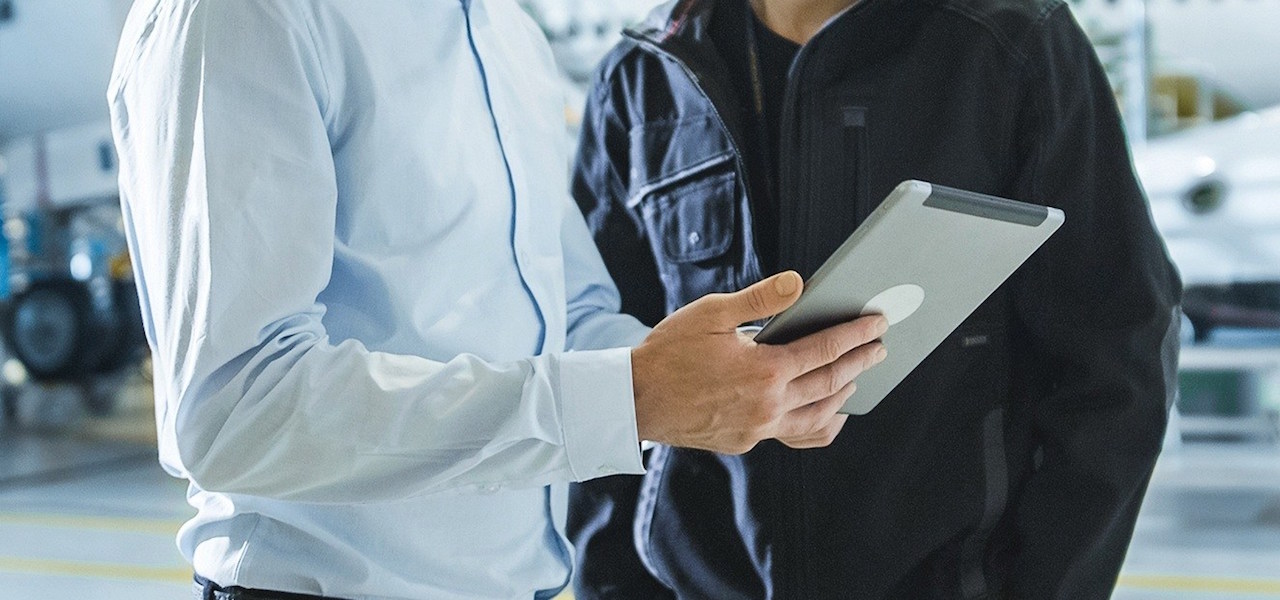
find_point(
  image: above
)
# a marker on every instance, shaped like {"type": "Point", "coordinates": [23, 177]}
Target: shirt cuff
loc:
{"type": "Point", "coordinates": [598, 413]}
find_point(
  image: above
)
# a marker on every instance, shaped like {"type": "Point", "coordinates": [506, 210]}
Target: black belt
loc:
{"type": "Point", "coordinates": [212, 591]}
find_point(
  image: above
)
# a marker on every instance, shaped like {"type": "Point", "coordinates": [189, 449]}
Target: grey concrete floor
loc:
{"type": "Point", "coordinates": [1210, 525]}
{"type": "Point", "coordinates": [85, 512]}
{"type": "Point", "coordinates": [88, 518]}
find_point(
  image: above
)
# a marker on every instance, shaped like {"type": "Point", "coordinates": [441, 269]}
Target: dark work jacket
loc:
{"type": "Point", "coordinates": [1012, 462]}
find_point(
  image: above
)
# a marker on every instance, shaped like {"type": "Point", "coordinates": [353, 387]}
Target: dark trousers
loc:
{"type": "Point", "coordinates": [203, 589]}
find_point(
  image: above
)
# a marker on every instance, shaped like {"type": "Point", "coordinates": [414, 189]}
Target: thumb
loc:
{"type": "Point", "coordinates": [760, 300]}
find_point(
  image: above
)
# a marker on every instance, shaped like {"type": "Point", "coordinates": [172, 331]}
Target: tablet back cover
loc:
{"type": "Point", "coordinates": [926, 259]}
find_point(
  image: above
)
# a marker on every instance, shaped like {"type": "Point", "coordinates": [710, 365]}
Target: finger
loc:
{"type": "Point", "coordinates": [811, 418]}
{"type": "Point", "coordinates": [817, 350]}
{"type": "Point", "coordinates": [823, 438]}
{"type": "Point", "coordinates": [827, 380]}
{"type": "Point", "coordinates": [752, 303]}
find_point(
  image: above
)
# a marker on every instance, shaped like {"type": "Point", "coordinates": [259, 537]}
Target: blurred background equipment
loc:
{"type": "Point", "coordinates": [68, 309]}
{"type": "Point", "coordinates": [1215, 194]}
{"type": "Point", "coordinates": [85, 511]}
{"type": "Point", "coordinates": [1192, 61]}
{"type": "Point", "coordinates": [1197, 84]}
{"type": "Point", "coordinates": [582, 31]}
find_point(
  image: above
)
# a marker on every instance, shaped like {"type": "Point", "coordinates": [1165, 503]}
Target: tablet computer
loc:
{"type": "Point", "coordinates": [926, 258]}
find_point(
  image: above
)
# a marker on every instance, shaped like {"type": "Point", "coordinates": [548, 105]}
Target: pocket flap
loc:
{"type": "Point", "coordinates": [664, 152]}
{"type": "Point", "coordinates": [697, 220]}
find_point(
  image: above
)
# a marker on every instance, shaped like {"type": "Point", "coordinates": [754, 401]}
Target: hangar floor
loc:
{"type": "Point", "coordinates": [85, 512]}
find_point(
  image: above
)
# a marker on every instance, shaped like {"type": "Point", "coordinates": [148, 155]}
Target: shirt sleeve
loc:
{"type": "Point", "coordinates": [596, 417]}
{"type": "Point", "coordinates": [1098, 309]}
{"type": "Point", "coordinates": [229, 191]}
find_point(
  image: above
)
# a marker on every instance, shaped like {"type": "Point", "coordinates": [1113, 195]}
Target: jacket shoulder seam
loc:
{"type": "Point", "coordinates": [1014, 47]}
{"type": "Point", "coordinates": [612, 62]}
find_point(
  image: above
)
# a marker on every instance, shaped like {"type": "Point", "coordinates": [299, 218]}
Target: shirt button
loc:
{"type": "Point", "coordinates": [694, 238]}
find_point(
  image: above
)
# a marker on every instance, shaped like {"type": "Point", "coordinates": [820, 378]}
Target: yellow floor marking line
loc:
{"type": "Point", "coordinates": [95, 570]}
{"type": "Point", "coordinates": [119, 524]}
{"type": "Point", "coordinates": [1174, 583]}
{"type": "Point", "coordinates": [1192, 583]}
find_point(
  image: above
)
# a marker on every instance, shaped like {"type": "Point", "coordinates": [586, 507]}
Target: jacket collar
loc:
{"type": "Point", "coordinates": [682, 29]}
{"type": "Point", "coordinates": [867, 30]}
{"type": "Point", "coordinates": [675, 18]}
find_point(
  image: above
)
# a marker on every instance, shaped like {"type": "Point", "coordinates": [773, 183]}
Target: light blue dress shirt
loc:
{"type": "Point", "coordinates": [380, 327]}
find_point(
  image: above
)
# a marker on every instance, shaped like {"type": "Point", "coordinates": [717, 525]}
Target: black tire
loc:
{"type": "Point", "coordinates": [49, 328]}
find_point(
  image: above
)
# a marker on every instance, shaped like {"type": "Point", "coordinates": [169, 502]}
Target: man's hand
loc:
{"type": "Point", "coordinates": [700, 384]}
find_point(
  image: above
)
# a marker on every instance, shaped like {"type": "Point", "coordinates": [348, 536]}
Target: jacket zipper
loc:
{"type": "Point", "coordinates": [853, 121]}
{"type": "Point", "coordinates": [794, 585]}
{"type": "Point", "coordinates": [791, 230]}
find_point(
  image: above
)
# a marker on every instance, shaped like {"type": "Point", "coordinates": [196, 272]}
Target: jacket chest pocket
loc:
{"type": "Point", "coordinates": [685, 190]}
{"type": "Point", "coordinates": [691, 227]}
{"type": "Point", "coordinates": [694, 222]}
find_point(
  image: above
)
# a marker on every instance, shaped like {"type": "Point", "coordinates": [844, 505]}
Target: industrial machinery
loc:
{"type": "Point", "coordinates": [68, 315]}
{"type": "Point", "coordinates": [69, 311]}
{"type": "Point", "coordinates": [1215, 196]}
{"type": "Point", "coordinates": [73, 310]}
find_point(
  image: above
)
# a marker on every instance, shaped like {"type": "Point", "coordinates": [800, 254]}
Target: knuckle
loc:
{"type": "Point", "coordinates": [756, 301]}
{"type": "Point", "coordinates": [819, 426]}
{"type": "Point", "coordinates": [813, 421]}
{"type": "Point", "coordinates": [831, 349]}
{"type": "Point", "coordinates": [868, 359]}
{"type": "Point", "coordinates": [867, 329]}
{"type": "Point", "coordinates": [834, 382]}
{"type": "Point", "coordinates": [717, 309]}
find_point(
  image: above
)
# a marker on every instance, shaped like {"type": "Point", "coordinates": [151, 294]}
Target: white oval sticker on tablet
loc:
{"type": "Point", "coordinates": [896, 303]}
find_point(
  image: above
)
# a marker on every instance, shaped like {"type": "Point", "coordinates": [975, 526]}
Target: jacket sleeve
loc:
{"type": "Point", "coordinates": [1098, 308]}
{"type": "Point", "coordinates": [600, 187]}
{"type": "Point", "coordinates": [602, 512]}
